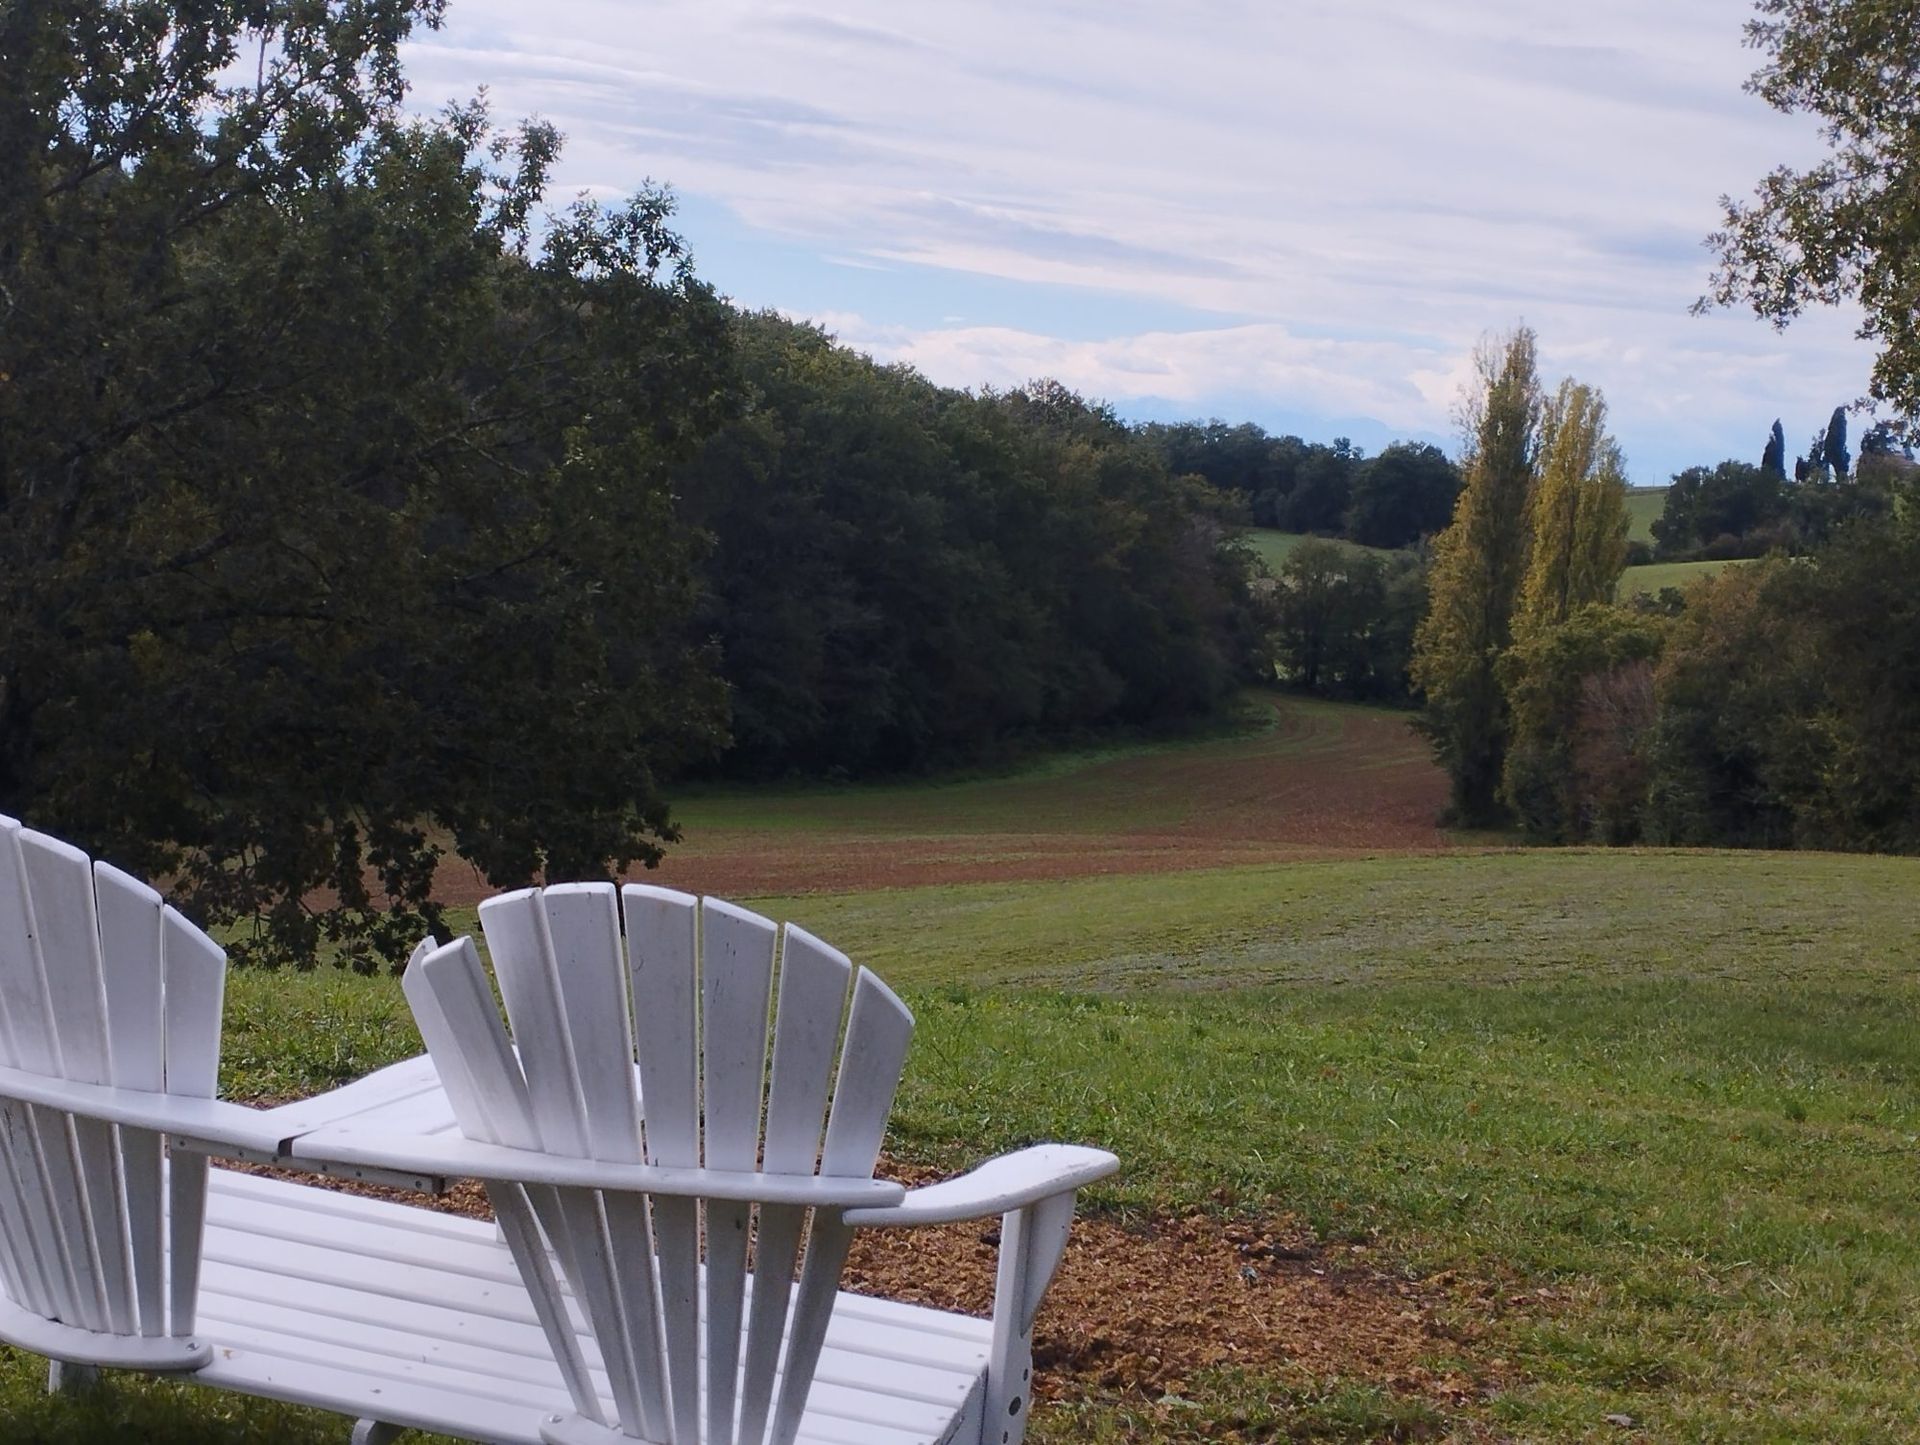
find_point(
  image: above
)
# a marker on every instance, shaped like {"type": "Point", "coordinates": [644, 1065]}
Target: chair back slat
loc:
{"type": "Point", "coordinates": [663, 966]}
{"type": "Point", "coordinates": [39, 1275]}
{"type": "Point", "coordinates": [26, 1026]}
{"type": "Point", "coordinates": [583, 932]}
{"type": "Point", "coordinates": [133, 977]}
{"type": "Point", "coordinates": [446, 987]}
{"type": "Point", "coordinates": [806, 1037]}
{"type": "Point", "coordinates": [736, 984]}
{"type": "Point", "coordinates": [196, 987]}
{"type": "Point", "coordinates": [749, 1059]}
{"type": "Point", "coordinates": [663, 958]}
{"type": "Point", "coordinates": [879, 1028]}
{"type": "Point", "coordinates": [460, 1023]}
{"type": "Point", "coordinates": [516, 930]}
{"type": "Point", "coordinates": [27, 1273]}
{"type": "Point", "coordinates": [195, 984]}
{"type": "Point", "coordinates": [133, 971]}
{"type": "Point", "coordinates": [67, 939]}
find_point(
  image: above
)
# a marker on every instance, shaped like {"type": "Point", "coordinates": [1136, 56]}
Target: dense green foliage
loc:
{"type": "Point", "coordinates": [1735, 510]}
{"type": "Point", "coordinates": [1577, 515]}
{"type": "Point", "coordinates": [1779, 708]}
{"type": "Point", "coordinates": [903, 575]}
{"type": "Point", "coordinates": [1578, 691]}
{"type": "Point", "coordinates": [1392, 500]}
{"type": "Point", "coordinates": [1344, 619]}
{"type": "Point", "coordinates": [1730, 510]}
{"type": "Point", "coordinates": [1790, 702]}
{"type": "Point", "coordinates": [1847, 227]}
{"type": "Point", "coordinates": [333, 507]}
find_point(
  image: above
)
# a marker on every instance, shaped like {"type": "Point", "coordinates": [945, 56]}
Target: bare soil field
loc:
{"type": "Point", "coordinates": [1323, 781]}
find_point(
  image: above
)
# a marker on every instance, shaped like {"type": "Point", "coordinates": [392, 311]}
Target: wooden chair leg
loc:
{"type": "Point", "coordinates": [69, 1379]}
{"type": "Point", "coordinates": [375, 1432]}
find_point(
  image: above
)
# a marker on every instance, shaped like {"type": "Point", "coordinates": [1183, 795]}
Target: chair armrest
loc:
{"type": "Point", "coordinates": [1012, 1181]}
{"type": "Point", "coordinates": [211, 1121]}
{"type": "Point", "coordinates": [455, 1156]}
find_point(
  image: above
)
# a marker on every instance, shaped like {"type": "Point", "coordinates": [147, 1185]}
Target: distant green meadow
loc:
{"type": "Point", "coordinates": [1656, 576]}
{"type": "Point", "coordinates": [1274, 547]}
{"type": "Point", "coordinates": [1644, 506]}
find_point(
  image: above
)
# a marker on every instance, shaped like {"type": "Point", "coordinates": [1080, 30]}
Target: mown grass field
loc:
{"type": "Point", "coordinates": [1644, 506]}
{"type": "Point", "coordinates": [1651, 578]}
{"type": "Point", "coordinates": [1274, 547]}
{"type": "Point", "coordinates": [1664, 1106]}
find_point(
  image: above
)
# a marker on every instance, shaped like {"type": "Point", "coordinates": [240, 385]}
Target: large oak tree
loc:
{"type": "Point", "coordinates": [334, 521]}
{"type": "Point", "coordinates": [1847, 227]}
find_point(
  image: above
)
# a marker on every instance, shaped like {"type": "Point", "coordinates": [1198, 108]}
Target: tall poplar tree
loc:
{"type": "Point", "coordinates": [1563, 631]}
{"type": "Point", "coordinates": [1479, 564]}
{"type": "Point", "coordinates": [1578, 512]}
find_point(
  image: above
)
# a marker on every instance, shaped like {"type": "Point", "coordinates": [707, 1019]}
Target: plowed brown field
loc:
{"type": "Point", "coordinates": [1325, 780]}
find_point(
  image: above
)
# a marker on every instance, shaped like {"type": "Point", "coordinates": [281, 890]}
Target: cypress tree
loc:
{"type": "Point", "coordinates": [1833, 450]}
{"type": "Point", "coordinates": [1774, 459]}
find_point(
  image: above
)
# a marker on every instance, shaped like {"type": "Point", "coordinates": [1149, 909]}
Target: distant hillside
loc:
{"type": "Point", "coordinates": [1273, 546]}
{"type": "Point", "coordinates": [1644, 505]}
{"type": "Point", "coordinates": [1650, 579]}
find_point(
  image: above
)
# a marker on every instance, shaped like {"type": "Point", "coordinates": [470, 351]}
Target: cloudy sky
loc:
{"type": "Point", "coordinates": [1298, 212]}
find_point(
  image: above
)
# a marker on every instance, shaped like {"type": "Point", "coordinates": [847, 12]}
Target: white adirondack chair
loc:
{"type": "Point", "coordinates": [742, 1031]}
{"type": "Point", "coordinates": [120, 1250]}
{"type": "Point", "coordinates": [89, 1212]}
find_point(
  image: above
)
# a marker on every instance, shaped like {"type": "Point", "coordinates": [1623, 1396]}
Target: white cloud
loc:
{"type": "Point", "coordinates": [1402, 174]}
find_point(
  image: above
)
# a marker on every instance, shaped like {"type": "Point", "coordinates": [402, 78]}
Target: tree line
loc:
{"type": "Point", "coordinates": [1392, 500]}
{"type": "Point", "coordinates": [1738, 510]}
{"type": "Point", "coordinates": [900, 576]}
{"type": "Point", "coordinates": [1341, 607]}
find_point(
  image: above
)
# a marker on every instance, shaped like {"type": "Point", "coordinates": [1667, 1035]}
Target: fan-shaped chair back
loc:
{"type": "Point", "coordinates": [759, 1049]}
{"type": "Point", "coordinates": [100, 983]}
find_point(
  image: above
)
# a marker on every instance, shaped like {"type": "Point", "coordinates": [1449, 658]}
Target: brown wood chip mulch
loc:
{"type": "Point", "coordinates": [1138, 1308]}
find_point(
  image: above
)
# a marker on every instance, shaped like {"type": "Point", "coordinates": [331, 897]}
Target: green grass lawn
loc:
{"type": "Point", "coordinates": [1274, 547]}
{"type": "Point", "coordinates": [1644, 506]}
{"type": "Point", "coordinates": [1656, 575]}
{"type": "Point", "coordinates": [1679, 1093]}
